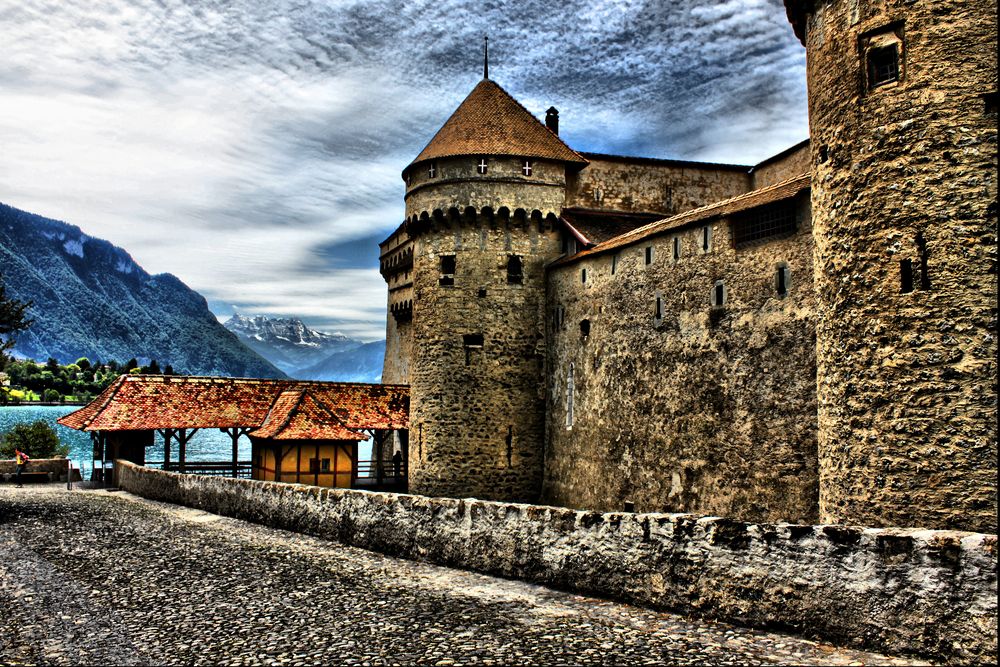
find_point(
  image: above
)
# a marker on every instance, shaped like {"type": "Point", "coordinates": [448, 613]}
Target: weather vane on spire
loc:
{"type": "Point", "coordinates": [486, 57]}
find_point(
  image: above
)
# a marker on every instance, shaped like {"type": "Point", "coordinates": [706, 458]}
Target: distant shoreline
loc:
{"type": "Point", "coordinates": [37, 404]}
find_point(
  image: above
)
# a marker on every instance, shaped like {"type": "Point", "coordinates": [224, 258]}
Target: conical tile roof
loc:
{"type": "Point", "coordinates": [491, 122]}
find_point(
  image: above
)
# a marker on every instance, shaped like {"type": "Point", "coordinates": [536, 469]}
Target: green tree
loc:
{"type": "Point", "coordinates": [37, 440]}
{"type": "Point", "coordinates": [52, 365]}
{"type": "Point", "coordinates": [152, 369]}
{"type": "Point", "coordinates": [131, 364]}
{"type": "Point", "coordinates": [51, 396]}
{"type": "Point", "coordinates": [83, 363]}
{"type": "Point", "coordinates": [12, 321]}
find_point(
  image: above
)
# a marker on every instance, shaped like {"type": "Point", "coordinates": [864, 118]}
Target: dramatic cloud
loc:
{"type": "Point", "coordinates": [254, 149]}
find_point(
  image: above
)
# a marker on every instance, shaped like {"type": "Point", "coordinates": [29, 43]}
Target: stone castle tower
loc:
{"type": "Point", "coordinates": [467, 296]}
{"type": "Point", "coordinates": [903, 124]}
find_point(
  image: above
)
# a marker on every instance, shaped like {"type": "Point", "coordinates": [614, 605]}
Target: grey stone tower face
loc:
{"type": "Point", "coordinates": [902, 109]}
{"type": "Point", "coordinates": [483, 225]}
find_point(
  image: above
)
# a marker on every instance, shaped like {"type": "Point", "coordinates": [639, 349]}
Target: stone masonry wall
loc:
{"type": "Point", "coordinates": [906, 171]}
{"type": "Point", "coordinates": [775, 170]}
{"type": "Point", "coordinates": [667, 186]}
{"type": "Point", "coordinates": [928, 592]}
{"type": "Point", "coordinates": [708, 410]}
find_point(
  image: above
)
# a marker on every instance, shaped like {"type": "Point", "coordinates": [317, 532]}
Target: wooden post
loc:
{"type": "Point", "coordinates": [378, 442]}
{"type": "Point", "coordinates": [182, 439]}
{"type": "Point", "coordinates": [316, 479]}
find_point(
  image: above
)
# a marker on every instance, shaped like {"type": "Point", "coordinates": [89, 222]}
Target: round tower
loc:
{"type": "Point", "coordinates": [903, 124]}
{"type": "Point", "coordinates": [482, 201]}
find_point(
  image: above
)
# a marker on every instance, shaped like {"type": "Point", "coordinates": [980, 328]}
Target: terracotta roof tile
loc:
{"type": "Point", "coordinates": [298, 415]}
{"type": "Point", "coordinates": [491, 122]}
{"type": "Point", "coordinates": [748, 200]}
{"type": "Point", "coordinates": [137, 402]}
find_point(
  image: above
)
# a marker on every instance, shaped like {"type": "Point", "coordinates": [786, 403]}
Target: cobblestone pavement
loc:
{"type": "Point", "coordinates": [96, 577]}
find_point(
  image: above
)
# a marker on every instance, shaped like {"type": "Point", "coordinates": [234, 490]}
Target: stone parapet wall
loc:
{"type": "Point", "coordinates": [927, 592]}
{"type": "Point", "coordinates": [57, 467]}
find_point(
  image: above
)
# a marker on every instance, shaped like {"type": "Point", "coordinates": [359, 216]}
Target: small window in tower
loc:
{"type": "Point", "coordinates": [677, 248]}
{"type": "Point", "coordinates": [515, 270]}
{"type": "Point", "coordinates": [472, 340]}
{"type": "Point", "coordinates": [447, 270]}
{"type": "Point", "coordinates": [584, 328]}
{"type": "Point", "coordinates": [658, 309]}
{"type": "Point", "coordinates": [883, 65]}
{"type": "Point", "coordinates": [482, 166]}
{"type": "Point", "coordinates": [719, 294]}
{"type": "Point", "coordinates": [583, 276]}
{"type": "Point", "coordinates": [432, 171]}
{"type": "Point", "coordinates": [527, 166]}
{"type": "Point", "coordinates": [905, 276]}
{"type": "Point", "coordinates": [925, 278]}
{"type": "Point", "coordinates": [614, 264]}
{"type": "Point", "coordinates": [649, 255]}
{"type": "Point", "coordinates": [706, 239]}
{"type": "Point", "coordinates": [781, 280]}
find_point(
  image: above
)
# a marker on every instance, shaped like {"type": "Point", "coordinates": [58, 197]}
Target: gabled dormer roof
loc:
{"type": "Point", "coordinates": [491, 122]}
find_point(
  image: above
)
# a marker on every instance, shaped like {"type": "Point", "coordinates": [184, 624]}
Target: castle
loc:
{"type": "Point", "coordinates": [808, 339]}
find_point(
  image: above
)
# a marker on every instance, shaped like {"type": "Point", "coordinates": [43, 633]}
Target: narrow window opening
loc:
{"type": "Point", "coordinates": [482, 166]}
{"type": "Point", "coordinates": [472, 340]}
{"type": "Point", "coordinates": [706, 238]}
{"type": "Point", "coordinates": [719, 294]}
{"type": "Point", "coordinates": [570, 388]}
{"type": "Point", "coordinates": [990, 101]}
{"type": "Point", "coordinates": [584, 328]}
{"type": "Point", "coordinates": [649, 255]}
{"type": "Point", "coordinates": [824, 153]}
{"type": "Point", "coordinates": [883, 65]}
{"type": "Point", "coordinates": [510, 446]}
{"type": "Point", "coordinates": [905, 276]}
{"type": "Point", "coordinates": [677, 248]}
{"type": "Point", "coordinates": [325, 465]}
{"type": "Point", "coordinates": [658, 309]}
{"type": "Point", "coordinates": [614, 264]}
{"type": "Point", "coordinates": [482, 292]}
{"type": "Point", "coordinates": [925, 279]}
{"type": "Point", "coordinates": [583, 275]}
{"type": "Point", "coordinates": [314, 465]}
{"type": "Point", "coordinates": [782, 280]}
{"type": "Point", "coordinates": [527, 167]}
{"type": "Point", "coordinates": [515, 270]}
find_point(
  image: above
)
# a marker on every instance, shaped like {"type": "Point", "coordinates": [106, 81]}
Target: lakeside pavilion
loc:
{"type": "Point", "coordinates": [305, 432]}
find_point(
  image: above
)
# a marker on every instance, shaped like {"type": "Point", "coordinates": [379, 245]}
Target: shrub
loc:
{"type": "Point", "coordinates": [37, 440]}
{"type": "Point", "coordinates": [51, 396]}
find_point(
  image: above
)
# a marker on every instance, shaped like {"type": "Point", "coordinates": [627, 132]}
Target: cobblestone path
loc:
{"type": "Point", "coordinates": [106, 578]}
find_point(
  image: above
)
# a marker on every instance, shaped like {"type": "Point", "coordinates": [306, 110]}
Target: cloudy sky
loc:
{"type": "Point", "coordinates": [254, 149]}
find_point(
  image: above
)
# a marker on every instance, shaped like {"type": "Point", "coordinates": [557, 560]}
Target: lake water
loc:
{"type": "Point", "coordinates": [206, 445]}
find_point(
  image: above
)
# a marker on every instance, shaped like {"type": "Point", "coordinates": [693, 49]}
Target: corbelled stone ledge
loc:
{"type": "Point", "coordinates": [925, 592]}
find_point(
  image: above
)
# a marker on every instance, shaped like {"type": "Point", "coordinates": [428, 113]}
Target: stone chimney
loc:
{"type": "Point", "coordinates": [552, 119]}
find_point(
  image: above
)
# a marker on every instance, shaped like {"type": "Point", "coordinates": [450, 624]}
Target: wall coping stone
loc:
{"type": "Point", "coordinates": [898, 590]}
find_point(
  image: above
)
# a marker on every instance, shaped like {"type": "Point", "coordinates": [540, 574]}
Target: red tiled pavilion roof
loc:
{"type": "Point", "coordinates": [298, 415]}
{"type": "Point", "coordinates": [491, 122]}
{"type": "Point", "coordinates": [150, 402]}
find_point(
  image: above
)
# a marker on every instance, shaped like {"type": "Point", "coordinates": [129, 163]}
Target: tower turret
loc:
{"type": "Point", "coordinates": [902, 113]}
{"type": "Point", "coordinates": [482, 201]}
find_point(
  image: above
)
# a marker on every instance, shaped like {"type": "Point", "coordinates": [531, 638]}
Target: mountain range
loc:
{"type": "Point", "coordinates": [91, 299]}
{"type": "Point", "coordinates": [306, 354]}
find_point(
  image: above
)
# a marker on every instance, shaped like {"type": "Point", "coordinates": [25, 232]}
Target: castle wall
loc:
{"type": "Point", "coordinates": [708, 410]}
{"type": "Point", "coordinates": [396, 265]}
{"type": "Point", "coordinates": [790, 163]}
{"type": "Point", "coordinates": [904, 190]}
{"type": "Point", "coordinates": [477, 407]}
{"type": "Point", "coordinates": [645, 184]}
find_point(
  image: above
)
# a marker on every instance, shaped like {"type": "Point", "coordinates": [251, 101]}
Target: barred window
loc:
{"type": "Point", "coordinates": [765, 223]}
{"type": "Point", "coordinates": [883, 65]}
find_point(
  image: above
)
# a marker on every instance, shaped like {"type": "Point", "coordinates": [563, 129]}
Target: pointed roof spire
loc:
{"type": "Point", "coordinates": [486, 57]}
